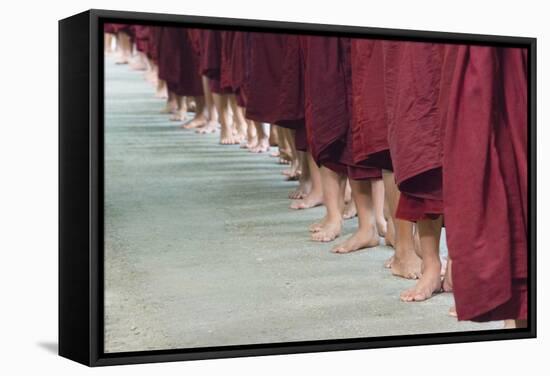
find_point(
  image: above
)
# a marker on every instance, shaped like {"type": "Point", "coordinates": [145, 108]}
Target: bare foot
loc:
{"type": "Point", "coordinates": [261, 147]}
{"type": "Point", "coordinates": [293, 172]}
{"type": "Point", "coordinates": [382, 226]}
{"type": "Point", "coordinates": [361, 239]}
{"type": "Point", "coordinates": [197, 122]}
{"type": "Point", "coordinates": [210, 127]}
{"type": "Point", "coordinates": [170, 108]}
{"type": "Point", "coordinates": [448, 277]}
{"type": "Point", "coordinates": [179, 116]}
{"type": "Point", "coordinates": [317, 226]}
{"type": "Point", "coordinates": [240, 137]}
{"type": "Point", "coordinates": [388, 262]}
{"type": "Point", "coordinates": [350, 210]}
{"type": "Point", "coordinates": [390, 234]}
{"type": "Point", "coordinates": [137, 64]}
{"type": "Point", "coordinates": [275, 154]}
{"type": "Point", "coordinates": [408, 266]}
{"type": "Point", "coordinates": [250, 143]}
{"type": "Point", "coordinates": [151, 77]}
{"type": "Point", "coordinates": [162, 94]}
{"type": "Point", "coordinates": [312, 200]}
{"type": "Point", "coordinates": [427, 285]}
{"type": "Point", "coordinates": [417, 246]}
{"type": "Point", "coordinates": [347, 192]}
{"type": "Point", "coordinates": [192, 106]}
{"type": "Point", "coordinates": [330, 231]}
{"type": "Point", "coordinates": [302, 191]}
{"type": "Point", "coordinates": [285, 156]}
{"type": "Point", "coordinates": [297, 194]}
{"type": "Point", "coordinates": [121, 59]}
{"type": "Point", "coordinates": [293, 177]}
{"type": "Point", "coordinates": [452, 312]}
{"type": "Point", "coordinates": [226, 137]}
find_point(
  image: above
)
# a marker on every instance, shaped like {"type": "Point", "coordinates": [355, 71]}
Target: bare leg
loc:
{"type": "Point", "coordinates": [447, 285]}
{"type": "Point", "coordinates": [204, 108]}
{"type": "Point", "coordinates": [171, 105]}
{"type": "Point", "coordinates": [448, 277]}
{"type": "Point", "coordinates": [251, 136]}
{"type": "Point", "coordinates": [125, 44]}
{"type": "Point", "coordinates": [162, 89]}
{"type": "Point", "coordinates": [262, 131]}
{"type": "Point", "coordinates": [378, 202]}
{"type": "Point", "coordinates": [315, 196]}
{"type": "Point", "coordinates": [366, 235]}
{"type": "Point", "coordinates": [180, 113]}
{"type": "Point", "coordinates": [347, 192]}
{"type": "Point", "coordinates": [390, 233]}
{"type": "Point", "coordinates": [274, 140]}
{"type": "Point", "coordinates": [149, 70]}
{"type": "Point", "coordinates": [212, 124]}
{"type": "Point", "coordinates": [239, 119]}
{"type": "Point", "coordinates": [221, 102]}
{"type": "Point", "coordinates": [108, 43]}
{"type": "Point", "coordinates": [138, 62]}
{"type": "Point", "coordinates": [405, 262]}
{"type": "Point", "coordinates": [285, 150]}
{"type": "Point", "coordinates": [350, 210]}
{"type": "Point", "coordinates": [430, 281]}
{"type": "Point", "coordinates": [191, 104]}
{"type": "Point", "coordinates": [274, 136]}
{"type": "Point", "coordinates": [200, 118]}
{"type": "Point", "coordinates": [333, 197]}
{"type": "Point", "coordinates": [294, 170]}
{"type": "Point", "coordinates": [305, 179]}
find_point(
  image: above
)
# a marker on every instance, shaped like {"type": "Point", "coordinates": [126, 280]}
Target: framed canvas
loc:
{"type": "Point", "coordinates": [234, 187]}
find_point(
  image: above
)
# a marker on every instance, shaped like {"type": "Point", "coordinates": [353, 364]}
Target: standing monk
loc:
{"type": "Point", "coordinates": [418, 77]}
{"type": "Point", "coordinates": [370, 144]}
{"type": "Point", "coordinates": [212, 67]}
{"type": "Point", "coordinates": [486, 218]}
{"type": "Point", "coordinates": [327, 83]}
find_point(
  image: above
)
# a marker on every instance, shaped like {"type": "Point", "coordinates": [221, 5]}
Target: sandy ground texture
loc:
{"type": "Point", "coordinates": [202, 250]}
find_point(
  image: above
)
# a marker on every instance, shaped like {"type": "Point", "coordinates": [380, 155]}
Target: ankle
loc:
{"type": "Point", "coordinates": [334, 219]}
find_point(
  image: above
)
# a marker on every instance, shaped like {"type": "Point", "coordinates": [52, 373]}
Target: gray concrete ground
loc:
{"type": "Point", "coordinates": [202, 250]}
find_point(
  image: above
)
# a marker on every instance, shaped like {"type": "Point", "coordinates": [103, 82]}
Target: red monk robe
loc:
{"type": "Point", "coordinates": [109, 28]}
{"type": "Point", "coordinates": [238, 66]}
{"type": "Point", "coordinates": [197, 37]}
{"type": "Point", "coordinates": [485, 183]}
{"type": "Point", "coordinates": [417, 79]}
{"type": "Point", "coordinates": [290, 104]}
{"type": "Point", "coordinates": [211, 60]}
{"type": "Point", "coordinates": [141, 37]}
{"type": "Point", "coordinates": [226, 71]}
{"type": "Point", "coordinates": [154, 43]}
{"type": "Point", "coordinates": [274, 83]}
{"type": "Point", "coordinates": [120, 28]}
{"type": "Point", "coordinates": [178, 64]}
{"type": "Point", "coordinates": [370, 126]}
{"type": "Point", "coordinates": [264, 76]}
{"type": "Point", "coordinates": [328, 105]}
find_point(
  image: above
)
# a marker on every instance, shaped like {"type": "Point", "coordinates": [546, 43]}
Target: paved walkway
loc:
{"type": "Point", "coordinates": [202, 250]}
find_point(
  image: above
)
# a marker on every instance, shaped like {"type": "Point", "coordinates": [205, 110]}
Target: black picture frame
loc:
{"type": "Point", "coordinates": [81, 188]}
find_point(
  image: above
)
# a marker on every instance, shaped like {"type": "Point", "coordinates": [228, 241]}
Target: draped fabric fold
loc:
{"type": "Point", "coordinates": [485, 183]}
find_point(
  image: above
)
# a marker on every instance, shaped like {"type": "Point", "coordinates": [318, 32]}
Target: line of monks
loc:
{"type": "Point", "coordinates": [407, 136]}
